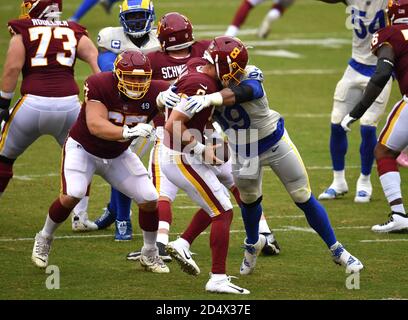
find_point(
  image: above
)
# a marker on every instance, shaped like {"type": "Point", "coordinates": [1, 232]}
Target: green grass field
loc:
{"type": "Point", "coordinates": [301, 89]}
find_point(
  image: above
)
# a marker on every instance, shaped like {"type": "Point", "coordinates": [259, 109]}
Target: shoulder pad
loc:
{"type": "Point", "coordinates": [112, 39]}
{"type": "Point", "coordinates": [253, 73]}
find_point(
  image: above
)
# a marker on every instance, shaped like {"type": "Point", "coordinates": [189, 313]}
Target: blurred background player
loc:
{"type": "Point", "coordinates": [390, 46]}
{"type": "Point", "coordinates": [87, 5]}
{"type": "Point", "coordinates": [367, 18]}
{"type": "Point", "coordinates": [137, 18]}
{"type": "Point", "coordinates": [277, 10]}
{"type": "Point", "coordinates": [258, 139]}
{"type": "Point", "coordinates": [113, 114]}
{"type": "Point", "coordinates": [45, 53]}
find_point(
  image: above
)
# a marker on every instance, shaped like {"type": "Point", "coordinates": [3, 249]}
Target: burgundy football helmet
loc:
{"type": "Point", "coordinates": [175, 32]}
{"type": "Point", "coordinates": [397, 11]}
{"type": "Point", "coordinates": [230, 57]}
{"type": "Point", "coordinates": [134, 73]}
{"type": "Point", "coordinates": [41, 9]}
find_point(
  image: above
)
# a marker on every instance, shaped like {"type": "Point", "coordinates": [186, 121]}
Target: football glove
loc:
{"type": "Point", "coordinates": [347, 121]}
{"type": "Point", "coordinates": [197, 103]}
{"type": "Point", "coordinates": [141, 130]}
{"type": "Point", "coordinates": [168, 98]}
{"type": "Point", "coordinates": [4, 109]}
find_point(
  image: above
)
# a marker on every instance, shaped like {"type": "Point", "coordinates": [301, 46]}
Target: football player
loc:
{"type": "Point", "coordinates": [117, 109]}
{"type": "Point", "coordinates": [390, 46]}
{"type": "Point", "coordinates": [367, 17]}
{"type": "Point", "coordinates": [277, 10]}
{"type": "Point", "coordinates": [44, 49]}
{"type": "Point", "coordinates": [136, 18]}
{"type": "Point", "coordinates": [258, 139]}
{"type": "Point", "coordinates": [188, 163]}
{"type": "Point", "coordinates": [87, 5]}
{"type": "Point", "coordinates": [403, 158]}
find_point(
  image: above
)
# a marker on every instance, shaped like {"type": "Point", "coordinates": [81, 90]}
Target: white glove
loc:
{"type": "Point", "coordinates": [347, 121]}
{"type": "Point", "coordinates": [168, 98]}
{"type": "Point", "coordinates": [141, 130]}
{"type": "Point", "coordinates": [197, 103]}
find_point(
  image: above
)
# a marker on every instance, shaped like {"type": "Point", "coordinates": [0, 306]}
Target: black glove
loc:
{"type": "Point", "coordinates": [4, 109]}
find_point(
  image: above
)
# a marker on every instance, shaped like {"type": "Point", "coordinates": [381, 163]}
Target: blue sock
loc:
{"type": "Point", "coordinates": [251, 214]}
{"type": "Point", "coordinates": [85, 6]}
{"type": "Point", "coordinates": [368, 142]}
{"type": "Point", "coordinates": [317, 218]}
{"type": "Point", "coordinates": [338, 146]}
{"type": "Point", "coordinates": [120, 204]}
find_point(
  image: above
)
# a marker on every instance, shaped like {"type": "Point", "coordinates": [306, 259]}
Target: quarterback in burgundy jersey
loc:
{"type": "Point", "coordinates": [185, 161]}
{"type": "Point", "coordinates": [391, 47]}
{"type": "Point", "coordinates": [116, 108]}
{"type": "Point", "coordinates": [44, 49]}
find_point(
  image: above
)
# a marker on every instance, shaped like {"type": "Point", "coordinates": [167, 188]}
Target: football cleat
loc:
{"type": "Point", "coordinates": [342, 257]}
{"type": "Point", "coordinates": [153, 263]}
{"type": "Point", "coordinates": [180, 251]}
{"type": "Point", "coordinates": [402, 159]}
{"type": "Point", "coordinates": [251, 254]}
{"type": "Point", "coordinates": [334, 192]}
{"type": "Point", "coordinates": [135, 255]}
{"type": "Point", "coordinates": [123, 230]}
{"type": "Point", "coordinates": [398, 223]}
{"type": "Point", "coordinates": [106, 219]}
{"type": "Point", "coordinates": [364, 190]}
{"type": "Point", "coordinates": [41, 250]}
{"type": "Point", "coordinates": [271, 247]}
{"type": "Point", "coordinates": [80, 222]}
{"type": "Point", "coordinates": [222, 284]}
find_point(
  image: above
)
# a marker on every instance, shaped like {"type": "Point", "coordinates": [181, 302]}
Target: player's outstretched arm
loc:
{"type": "Point", "coordinates": [383, 72]}
{"type": "Point", "coordinates": [88, 53]}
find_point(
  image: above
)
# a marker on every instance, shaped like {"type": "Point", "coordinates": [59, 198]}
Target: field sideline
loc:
{"type": "Point", "coordinates": [302, 60]}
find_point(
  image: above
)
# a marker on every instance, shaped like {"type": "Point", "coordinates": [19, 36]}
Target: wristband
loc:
{"type": "Point", "coordinates": [216, 99]}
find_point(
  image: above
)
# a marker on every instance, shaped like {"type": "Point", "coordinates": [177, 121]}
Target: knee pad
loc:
{"type": "Point", "coordinates": [301, 195]}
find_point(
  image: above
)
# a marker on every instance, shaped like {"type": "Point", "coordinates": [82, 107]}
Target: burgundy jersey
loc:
{"type": "Point", "coordinates": [50, 56]}
{"type": "Point", "coordinates": [192, 82]}
{"type": "Point", "coordinates": [168, 68]}
{"type": "Point", "coordinates": [102, 87]}
{"type": "Point", "coordinates": [397, 37]}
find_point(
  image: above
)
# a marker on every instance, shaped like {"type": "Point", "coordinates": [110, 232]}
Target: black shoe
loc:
{"type": "Point", "coordinates": [162, 252]}
{"type": "Point", "coordinates": [271, 247]}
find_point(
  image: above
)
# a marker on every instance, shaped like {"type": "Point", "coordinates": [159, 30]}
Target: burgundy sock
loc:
{"type": "Point", "coordinates": [165, 213]}
{"type": "Point", "coordinates": [242, 13]}
{"type": "Point", "coordinates": [200, 222]}
{"type": "Point", "coordinates": [219, 240]}
{"type": "Point", "coordinates": [236, 194]}
{"type": "Point", "coordinates": [57, 212]}
{"type": "Point", "coordinates": [149, 220]}
{"type": "Point", "coordinates": [6, 173]}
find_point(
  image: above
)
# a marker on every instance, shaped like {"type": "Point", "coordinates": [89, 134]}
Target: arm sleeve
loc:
{"type": "Point", "coordinates": [106, 60]}
{"type": "Point", "coordinates": [248, 90]}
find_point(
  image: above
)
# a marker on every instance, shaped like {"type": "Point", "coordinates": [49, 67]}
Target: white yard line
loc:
{"type": "Point", "coordinates": [384, 240]}
{"type": "Point", "coordinates": [284, 229]}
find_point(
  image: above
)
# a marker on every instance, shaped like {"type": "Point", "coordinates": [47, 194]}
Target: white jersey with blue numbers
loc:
{"type": "Point", "coordinates": [366, 18]}
{"type": "Point", "coordinates": [115, 40]}
{"type": "Point", "coordinates": [253, 119]}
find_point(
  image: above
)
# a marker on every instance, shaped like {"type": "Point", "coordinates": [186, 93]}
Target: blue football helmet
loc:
{"type": "Point", "coordinates": [137, 17]}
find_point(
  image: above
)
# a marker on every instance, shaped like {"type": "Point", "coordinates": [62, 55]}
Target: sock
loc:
{"type": "Point", "coordinates": [390, 181]}
{"type": "Point", "coordinates": [120, 204]}
{"type": "Point", "coordinates": [263, 225]}
{"type": "Point", "coordinates": [85, 6]}
{"type": "Point", "coordinates": [317, 218]}
{"type": "Point", "coordinates": [163, 232]}
{"type": "Point", "coordinates": [339, 177]}
{"type": "Point", "coordinates": [149, 220]}
{"type": "Point", "coordinates": [368, 142]}
{"type": "Point", "coordinates": [82, 206]}
{"type": "Point", "coordinates": [338, 146]}
{"type": "Point", "coordinates": [241, 13]}
{"type": "Point", "coordinates": [219, 241]}
{"type": "Point", "coordinates": [201, 220]}
{"type": "Point", "coordinates": [165, 213]}
{"type": "Point", "coordinates": [274, 14]}
{"type": "Point", "coordinates": [149, 240]}
{"type": "Point", "coordinates": [6, 173]}
{"type": "Point", "coordinates": [235, 192]}
{"type": "Point", "coordinates": [232, 31]}
{"type": "Point", "coordinates": [49, 227]}
{"type": "Point", "coordinates": [251, 214]}
{"type": "Point", "coordinates": [57, 212]}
